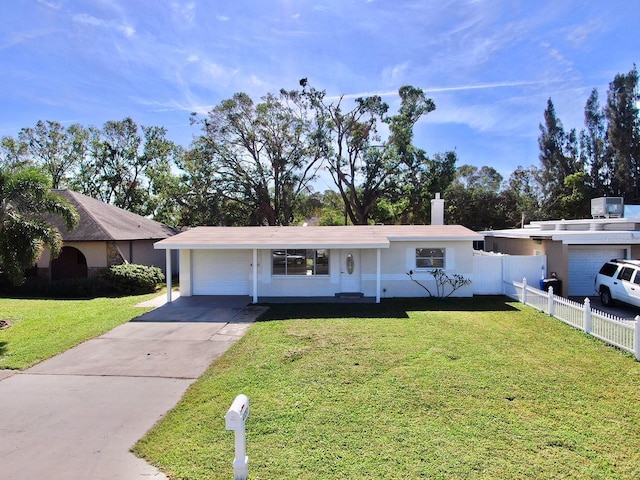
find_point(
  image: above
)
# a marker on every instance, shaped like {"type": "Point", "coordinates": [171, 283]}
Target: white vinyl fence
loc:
{"type": "Point", "coordinates": [623, 334]}
{"type": "Point", "coordinates": [491, 270]}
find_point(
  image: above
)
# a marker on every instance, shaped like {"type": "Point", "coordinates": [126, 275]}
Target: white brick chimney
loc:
{"type": "Point", "coordinates": [437, 210]}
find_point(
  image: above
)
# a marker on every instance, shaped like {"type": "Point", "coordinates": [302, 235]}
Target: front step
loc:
{"type": "Point", "coordinates": [349, 295]}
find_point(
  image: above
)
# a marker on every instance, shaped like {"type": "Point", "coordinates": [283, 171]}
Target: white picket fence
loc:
{"type": "Point", "coordinates": [623, 334]}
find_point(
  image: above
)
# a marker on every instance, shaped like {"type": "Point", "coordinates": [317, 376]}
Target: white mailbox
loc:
{"type": "Point", "coordinates": [235, 419]}
{"type": "Point", "coordinates": [238, 413]}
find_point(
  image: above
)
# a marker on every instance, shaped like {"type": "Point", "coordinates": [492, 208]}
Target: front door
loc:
{"type": "Point", "coordinates": [350, 271]}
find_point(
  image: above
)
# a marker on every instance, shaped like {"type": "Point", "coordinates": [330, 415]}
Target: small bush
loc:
{"type": "Point", "coordinates": [130, 278]}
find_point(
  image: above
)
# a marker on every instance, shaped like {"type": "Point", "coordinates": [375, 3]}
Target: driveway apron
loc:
{"type": "Point", "coordinates": [75, 416]}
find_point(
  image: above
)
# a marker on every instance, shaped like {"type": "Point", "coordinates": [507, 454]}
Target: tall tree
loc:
{"type": "Point", "coordinates": [474, 199]}
{"type": "Point", "coordinates": [558, 158]}
{"type": "Point", "coordinates": [623, 135]}
{"type": "Point", "coordinates": [25, 195]}
{"type": "Point", "coordinates": [593, 145]}
{"type": "Point", "coordinates": [120, 156]}
{"type": "Point", "coordinates": [523, 197]}
{"type": "Point", "coordinates": [13, 152]}
{"type": "Point", "coordinates": [333, 210]}
{"type": "Point", "coordinates": [413, 186]}
{"type": "Point", "coordinates": [56, 149]}
{"type": "Point", "coordinates": [200, 199]}
{"type": "Point", "coordinates": [265, 154]}
{"type": "Point", "coordinates": [359, 161]}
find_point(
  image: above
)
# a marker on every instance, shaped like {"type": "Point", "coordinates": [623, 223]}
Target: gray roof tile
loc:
{"type": "Point", "coordinates": [100, 221]}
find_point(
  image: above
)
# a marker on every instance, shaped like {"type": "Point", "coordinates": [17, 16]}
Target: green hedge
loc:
{"type": "Point", "coordinates": [131, 278]}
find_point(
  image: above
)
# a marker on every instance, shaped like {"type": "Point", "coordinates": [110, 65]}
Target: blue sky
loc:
{"type": "Point", "coordinates": [489, 65]}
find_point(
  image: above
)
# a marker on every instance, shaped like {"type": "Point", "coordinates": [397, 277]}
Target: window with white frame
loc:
{"type": "Point", "coordinates": [300, 262]}
{"type": "Point", "coordinates": [430, 257]}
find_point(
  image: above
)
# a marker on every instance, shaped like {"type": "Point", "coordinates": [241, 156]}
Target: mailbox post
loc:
{"type": "Point", "coordinates": [235, 419]}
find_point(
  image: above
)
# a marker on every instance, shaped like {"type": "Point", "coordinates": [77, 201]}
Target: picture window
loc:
{"type": "Point", "coordinates": [300, 262]}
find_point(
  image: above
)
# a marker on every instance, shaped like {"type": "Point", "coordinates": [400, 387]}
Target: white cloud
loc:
{"type": "Point", "coordinates": [482, 86]}
{"type": "Point", "coordinates": [222, 18]}
{"type": "Point", "coordinates": [50, 4]}
{"type": "Point", "coordinates": [395, 75]}
{"type": "Point", "coordinates": [89, 20]}
{"type": "Point", "coordinates": [482, 118]}
{"type": "Point", "coordinates": [213, 70]}
{"type": "Point", "coordinates": [579, 34]}
{"type": "Point", "coordinates": [186, 10]}
{"type": "Point", "coordinates": [86, 19]}
{"type": "Point", "coordinates": [127, 30]}
{"type": "Point", "coordinates": [557, 56]}
{"type": "Point", "coordinates": [453, 88]}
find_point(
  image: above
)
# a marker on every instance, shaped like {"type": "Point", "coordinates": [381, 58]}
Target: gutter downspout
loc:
{"type": "Point", "coordinates": [169, 275]}
{"type": "Point", "coordinates": [378, 275]}
{"type": "Point", "coordinates": [255, 275]}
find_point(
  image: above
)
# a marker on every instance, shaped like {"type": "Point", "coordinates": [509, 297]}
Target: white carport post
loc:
{"type": "Point", "coordinates": [378, 275]}
{"type": "Point", "coordinates": [255, 275]}
{"type": "Point", "coordinates": [169, 274]}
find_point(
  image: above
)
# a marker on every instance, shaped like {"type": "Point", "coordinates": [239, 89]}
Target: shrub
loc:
{"type": "Point", "coordinates": [455, 281]}
{"type": "Point", "coordinates": [131, 278]}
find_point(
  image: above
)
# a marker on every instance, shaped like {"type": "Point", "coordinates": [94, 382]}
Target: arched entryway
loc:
{"type": "Point", "coordinates": [70, 264]}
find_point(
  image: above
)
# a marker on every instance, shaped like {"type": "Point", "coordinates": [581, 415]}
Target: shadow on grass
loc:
{"type": "Point", "coordinates": [3, 348]}
{"type": "Point", "coordinates": [388, 308]}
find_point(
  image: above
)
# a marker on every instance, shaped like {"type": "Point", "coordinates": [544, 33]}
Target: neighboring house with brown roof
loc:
{"type": "Point", "coordinates": [106, 235]}
{"type": "Point", "coordinates": [275, 263]}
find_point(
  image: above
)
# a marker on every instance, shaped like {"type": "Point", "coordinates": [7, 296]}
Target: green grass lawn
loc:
{"type": "Point", "coordinates": [43, 328]}
{"type": "Point", "coordinates": [457, 389]}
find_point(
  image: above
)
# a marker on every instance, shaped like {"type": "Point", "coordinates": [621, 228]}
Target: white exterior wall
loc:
{"type": "Point", "coordinates": [400, 258]}
{"type": "Point", "coordinates": [185, 273]}
{"type": "Point", "coordinates": [297, 285]}
{"type": "Point", "coordinates": [222, 272]}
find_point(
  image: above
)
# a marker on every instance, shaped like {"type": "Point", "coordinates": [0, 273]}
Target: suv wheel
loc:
{"type": "Point", "coordinates": [605, 297]}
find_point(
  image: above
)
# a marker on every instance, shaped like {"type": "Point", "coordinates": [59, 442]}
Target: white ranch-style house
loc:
{"type": "Point", "coordinates": [275, 263]}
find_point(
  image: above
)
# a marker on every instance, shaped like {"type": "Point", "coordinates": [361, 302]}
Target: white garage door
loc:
{"type": "Point", "coordinates": [584, 264]}
{"type": "Point", "coordinates": [221, 272]}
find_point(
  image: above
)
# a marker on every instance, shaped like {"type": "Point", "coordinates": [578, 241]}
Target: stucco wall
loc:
{"type": "Point", "coordinates": [400, 258]}
{"type": "Point", "coordinates": [97, 255]}
{"type": "Point", "coordinates": [142, 252]}
{"type": "Point", "coordinates": [94, 252]}
{"type": "Point", "coordinates": [395, 262]}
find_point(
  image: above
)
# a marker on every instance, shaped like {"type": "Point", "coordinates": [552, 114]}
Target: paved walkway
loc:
{"type": "Point", "coordinates": [75, 416]}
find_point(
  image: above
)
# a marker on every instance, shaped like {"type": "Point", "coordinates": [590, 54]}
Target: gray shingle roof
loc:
{"type": "Point", "coordinates": [100, 221]}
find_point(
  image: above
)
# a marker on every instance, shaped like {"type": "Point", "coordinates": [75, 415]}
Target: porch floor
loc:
{"type": "Point", "coordinates": [316, 299]}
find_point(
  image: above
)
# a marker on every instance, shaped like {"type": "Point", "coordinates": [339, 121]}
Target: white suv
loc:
{"type": "Point", "coordinates": [619, 280]}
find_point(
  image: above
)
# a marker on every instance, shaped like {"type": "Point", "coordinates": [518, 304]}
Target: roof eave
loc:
{"type": "Point", "coordinates": [162, 245]}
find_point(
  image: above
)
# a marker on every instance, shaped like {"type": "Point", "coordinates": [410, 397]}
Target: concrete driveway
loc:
{"type": "Point", "coordinates": [75, 416]}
